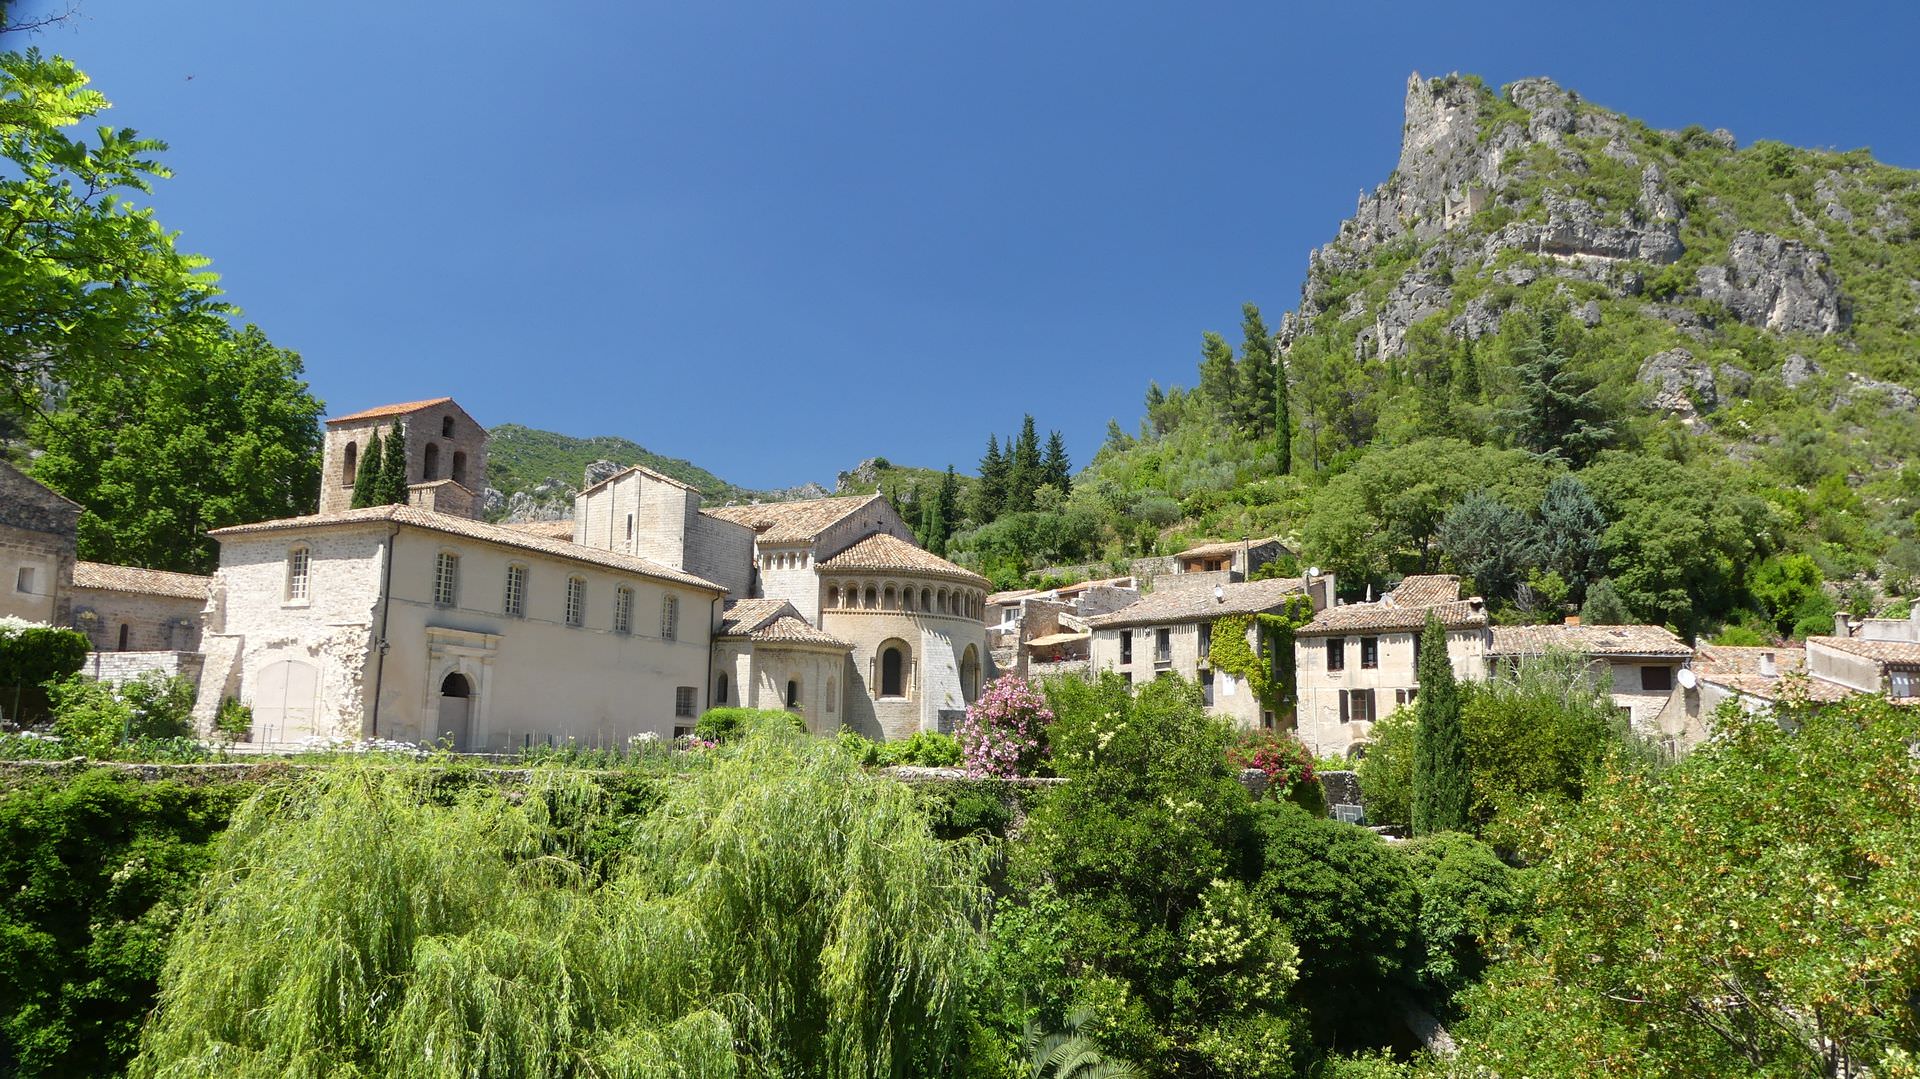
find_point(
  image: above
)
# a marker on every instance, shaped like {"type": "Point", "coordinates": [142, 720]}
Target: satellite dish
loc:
{"type": "Point", "coordinates": [1313, 571]}
{"type": "Point", "coordinates": [1687, 680]}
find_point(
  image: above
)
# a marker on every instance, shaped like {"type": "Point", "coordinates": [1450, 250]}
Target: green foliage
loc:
{"type": "Point", "coordinates": [30, 657]}
{"type": "Point", "coordinates": [391, 488]}
{"type": "Point", "coordinates": [728, 724]}
{"type": "Point", "coordinates": [1470, 902]}
{"type": "Point", "coordinates": [925, 749]}
{"type": "Point", "coordinates": [1787, 590]}
{"type": "Point", "coordinates": [92, 717]}
{"type": "Point", "coordinates": [1386, 772]}
{"type": "Point", "coordinates": [521, 458]}
{"type": "Point", "coordinates": [1442, 781]}
{"type": "Point", "coordinates": [1604, 606]}
{"type": "Point", "coordinates": [95, 868]}
{"type": "Point", "coordinates": [1266, 665]}
{"type": "Point", "coordinates": [1557, 415]}
{"type": "Point", "coordinates": [1537, 732]}
{"type": "Point", "coordinates": [367, 472]}
{"type": "Point", "coordinates": [1490, 542]}
{"type": "Point", "coordinates": [1750, 910]}
{"type": "Point", "coordinates": [785, 917]}
{"type": "Point", "coordinates": [233, 720]}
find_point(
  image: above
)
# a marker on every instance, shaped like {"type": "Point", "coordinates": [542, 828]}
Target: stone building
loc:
{"type": "Point", "coordinates": [446, 455]}
{"type": "Point", "coordinates": [126, 609]}
{"type": "Point", "coordinates": [402, 623]}
{"type": "Point", "coordinates": [1356, 663]}
{"type": "Point", "coordinates": [1242, 558]}
{"type": "Point", "coordinates": [37, 538]}
{"type": "Point", "coordinates": [767, 656]}
{"type": "Point", "coordinates": [1637, 664]}
{"type": "Point", "coordinates": [1169, 632]}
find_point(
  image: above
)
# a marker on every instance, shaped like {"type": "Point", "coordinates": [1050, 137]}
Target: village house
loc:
{"type": "Point", "coordinates": [37, 530]}
{"type": "Point", "coordinates": [1242, 558]}
{"type": "Point", "coordinates": [1636, 664]}
{"type": "Point", "coordinates": [1037, 633]}
{"type": "Point", "coordinates": [1753, 678]}
{"type": "Point", "coordinates": [1169, 632]}
{"type": "Point", "coordinates": [1357, 662]}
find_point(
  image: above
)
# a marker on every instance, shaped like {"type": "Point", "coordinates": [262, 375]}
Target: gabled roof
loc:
{"type": "Point", "coordinates": [1206, 550]}
{"type": "Point", "coordinates": [884, 552]}
{"type": "Point", "coordinates": [1622, 641]}
{"type": "Point", "coordinates": [151, 582]}
{"type": "Point", "coordinates": [1176, 606]}
{"type": "Point", "coordinates": [773, 621]}
{"type": "Point", "coordinates": [557, 530]}
{"type": "Point", "coordinates": [479, 530]}
{"type": "Point", "coordinates": [647, 472]}
{"type": "Point", "coordinates": [1424, 590]}
{"type": "Point", "coordinates": [1738, 668]}
{"type": "Point", "coordinates": [1404, 608]}
{"type": "Point", "coordinates": [792, 522]}
{"type": "Point", "coordinates": [380, 412]}
{"type": "Point", "coordinates": [1905, 653]}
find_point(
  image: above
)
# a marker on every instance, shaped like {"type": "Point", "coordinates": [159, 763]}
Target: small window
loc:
{"type": "Point", "coordinates": [1337, 656]}
{"type": "Point", "coordinates": [720, 689]}
{"type": "Point", "coordinates": [299, 566]}
{"type": "Point", "coordinates": [515, 604]}
{"type": "Point", "coordinates": [1162, 646]}
{"type": "Point", "coordinates": [623, 609]}
{"type": "Point", "coordinates": [123, 636]}
{"type": "Point", "coordinates": [430, 467]}
{"type": "Point", "coordinates": [629, 528]}
{"type": "Point", "coordinates": [349, 463]}
{"type": "Point", "coordinates": [1369, 653]}
{"type": "Point", "coordinates": [460, 467]}
{"type": "Point", "coordinates": [793, 693]}
{"type": "Point", "coordinates": [23, 582]}
{"type": "Point", "coordinates": [1402, 697]}
{"type": "Point", "coordinates": [670, 618]}
{"type": "Point", "coordinates": [682, 732]}
{"type": "Point", "coordinates": [873, 598]}
{"type": "Point", "coordinates": [893, 672]}
{"type": "Point", "coordinates": [683, 701]}
{"type": "Point", "coordinates": [576, 601]}
{"type": "Point", "coordinates": [833, 596]}
{"type": "Point", "coordinates": [446, 427]}
{"type": "Point", "coordinates": [1126, 647]}
{"type": "Point", "coordinates": [446, 580]}
{"type": "Point", "coordinates": [1356, 706]}
{"type": "Point", "coordinates": [1903, 683]}
{"type": "Point", "coordinates": [1206, 639]}
{"type": "Point", "coordinates": [1656, 678]}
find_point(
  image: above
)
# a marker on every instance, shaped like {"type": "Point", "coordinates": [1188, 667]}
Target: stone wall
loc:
{"type": "Point", "coordinates": [36, 536]}
{"type": "Point", "coordinates": [722, 552]}
{"type": "Point", "coordinates": [1143, 568]}
{"type": "Point", "coordinates": [460, 456]}
{"type": "Point", "coordinates": [153, 623]}
{"type": "Point", "coordinates": [119, 667]}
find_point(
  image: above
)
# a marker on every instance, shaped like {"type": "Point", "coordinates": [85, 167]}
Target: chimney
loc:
{"type": "Point", "coordinates": [1842, 624]}
{"type": "Point", "coordinates": [1573, 620]}
{"type": "Point", "coordinates": [1768, 669]}
{"type": "Point", "coordinates": [1476, 603]}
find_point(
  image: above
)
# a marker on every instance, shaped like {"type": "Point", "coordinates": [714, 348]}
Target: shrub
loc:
{"type": "Point", "coordinates": [1004, 732]}
{"type": "Point", "coordinates": [728, 724]}
{"type": "Point", "coordinates": [1288, 766]}
{"type": "Point", "coordinates": [926, 749]}
{"type": "Point", "coordinates": [1386, 772]}
{"type": "Point", "coordinates": [93, 717]}
{"type": "Point", "coordinates": [32, 655]}
{"type": "Point", "coordinates": [234, 720]}
{"type": "Point", "coordinates": [1468, 900]}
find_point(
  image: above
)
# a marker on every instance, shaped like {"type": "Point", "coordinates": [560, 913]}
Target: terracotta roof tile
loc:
{"type": "Point", "coordinates": [885, 553]}
{"type": "Point", "coordinates": [1227, 547]}
{"type": "Point", "coordinates": [746, 615]}
{"type": "Point", "coordinates": [1738, 668]}
{"type": "Point", "coordinates": [1381, 615]}
{"type": "Point", "coordinates": [1587, 641]}
{"type": "Point", "coordinates": [792, 522]}
{"type": "Point", "coordinates": [152, 582]}
{"type": "Point", "coordinates": [1901, 652]}
{"type": "Point", "coordinates": [773, 621]}
{"type": "Point", "coordinates": [479, 530]}
{"type": "Point", "coordinates": [560, 530]}
{"type": "Point", "coordinates": [1424, 590]}
{"type": "Point", "coordinates": [1174, 606]}
{"type": "Point", "coordinates": [793, 629]}
{"type": "Point", "coordinates": [383, 411]}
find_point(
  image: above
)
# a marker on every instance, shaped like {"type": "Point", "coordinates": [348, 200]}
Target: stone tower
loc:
{"type": "Point", "coordinates": [446, 455]}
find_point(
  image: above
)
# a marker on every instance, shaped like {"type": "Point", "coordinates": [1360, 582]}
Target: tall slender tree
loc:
{"type": "Point", "coordinates": [1442, 788]}
{"type": "Point", "coordinates": [1219, 379]}
{"type": "Point", "coordinates": [990, 494]}
{"type": "Point", "coordinates": [1256, 380]}
{"type": "Point", "coordinates": [368, 475]}
{"type": "Point", "coordinates": [1054, 466]}
{"type": "Point", "coordinates": [393, 470]}
{"type": "Point", "coordinates": [944, 511]}
{"type": "Point", "coordinates": [1558, 414]}
{"type": "Point", "coordinates": [1024, 470]}
{"type": "Point", "coordinates": [1282, 413]}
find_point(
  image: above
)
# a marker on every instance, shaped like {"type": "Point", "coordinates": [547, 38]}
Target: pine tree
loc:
{"type": "Point", "coordinates": [1441, 780]}
{"type": "Point", "coordinates": [393, 470]}
{"type": "Point", "coordinates": [366, 476]}
{"type": "Point", "coordinates": [1571, 526]}
{"type": "Point", "coordinates": [1604, 607]}
{"type": "Point", "coordinates": [1023, 469]}
{"type": "Point", "coordinates": [941, 510]}
{"type": "Point", "coordinates": [1466, 374]}
{"type": "Point", "coordinates": [990, 494]}
{"type": "Point", "coordinates": [1054, 466]}
{"type": "Point", "coordinates": [1219, 379]}
{"type": "Point", "coordinates": [1559, 415]}
{"type": "Point", "coordinates": [1282, 413]}
{"type": "Point", "coordinates": [1255, 386]}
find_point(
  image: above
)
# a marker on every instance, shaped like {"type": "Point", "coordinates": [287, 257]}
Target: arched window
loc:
{"type": "Point", "coordinates": [873, 598]}
{"type": "Point", "coordinates": [833, 700]}
{"type": "Point", "coordinates": [349, 463]}
{"type": "Point", "coordinates": [893, 669]}
{"type": "Point", "coordinates": [446, 427]}
{"type": "Point", "coordinates": [459, 466]}
{"type": "Point", "coordinates": [123, 636]}
{"type": "Point", "coordinates": [970, 675]}
{"type": "Point", "coordinates": [833, 596]}
{"type": "Point", "coordinates": [941, 601]}
{"type": "Point", "coordinates": [926, 599]}
{"type": "Point", "coordinates": [720, 689]}
{"type": "Point", "coordinates": [430, 470]}
{"type": "Point", "coordinates": [891, 599]}
{"type": "Point", "coordinates": [793, 693]}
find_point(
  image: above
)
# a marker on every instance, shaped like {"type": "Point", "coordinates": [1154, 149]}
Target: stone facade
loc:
{"type": "Point", "coordinates": [129, 666]}
{"type": "Point", "coordinates": [443, 443]}
{"type": "Point", "coordinates": [137, 622]}
{"type": "Point", "coordinates": [36, 549]}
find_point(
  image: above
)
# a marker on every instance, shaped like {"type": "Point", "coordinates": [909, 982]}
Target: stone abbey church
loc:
{"type": "Point", "coordinates": [421, 622]}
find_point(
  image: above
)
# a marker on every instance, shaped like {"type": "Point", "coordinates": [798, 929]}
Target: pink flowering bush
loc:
{"type": "Point", "coordinates": [1004, 734]}
{"type": "Point", "coordinates": [1287, 764]}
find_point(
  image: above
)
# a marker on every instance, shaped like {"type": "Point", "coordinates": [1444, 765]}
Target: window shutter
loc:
{"type": "Point", "coordinates": [1345, 704]}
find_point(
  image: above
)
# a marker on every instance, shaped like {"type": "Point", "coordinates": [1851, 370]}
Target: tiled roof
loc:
{"type": "Point", "coordinates": [560, 530]}
{"type": "Point", "coordinates": [1381, 615]}
{"type": "Point", "coordinates": [1424, 590]}
{"type": "Point", "coordinates": [885, 553]}
{"type": "Point", "coordinates": [772, 621]}
{"type": "Point", "coordinates": [1587, 641]}
{"type": "Point", "coordinates": [1206, 550]}
{"type": "Point", "coordinates": [152, 582]}
{"type": "Point", "coordinates": [1012, 595]}
{"type": "Point", "coordinates": [1902, 652]}
{"type": "Point", "coordinates": [791, 522]}
{"type": "Point", "coordinates": [1052, 639]}
{"type": "Point", "coordinates": [479, 530]}
{"type": "Point", "coordinates": [650, 474]}
{"type": "Point", "coordinates": [1738, 669]}
{"type": "Point", "coordinates": [1174, 606]}
{"type": "Point", "coordinates": [384, 411]}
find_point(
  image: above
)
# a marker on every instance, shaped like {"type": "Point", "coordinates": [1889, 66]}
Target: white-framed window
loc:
{"type": "Point", "coordinates": [670, 618]}
{"type": "Point", "coordinates": [299, 570]}
{"type": "Point", "coordinates": [576, 601]}
{"type": "Point", "coordinates": [623, 609]}
{"type": "Point", "coordinates": [683, 701]}
{"type": "Point", "coordinates": [515, 605]}
{"type": "Point", "coordinates": [446, 579]}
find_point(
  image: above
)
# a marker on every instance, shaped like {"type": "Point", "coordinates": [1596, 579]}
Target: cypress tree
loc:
{"type": "Point", "coordinates": [1219, 380]}
{"type": "Point", "coordinates": [1256, 373]}
{"type": "Point", "coordinates": [1282, 413]}
{"type": "Point", "coordinates": [1441, 780]}
{"type": "Point", "coordinates": [366, 475]}
{"type": "Point", "coordinates": [393, 470]}
{"type": "Point", "coordinates": [1023, 470]}
{"type": "Point", "coordinates": [1054, 466]}
{"type": "Point", "coordinates": [990, 494]}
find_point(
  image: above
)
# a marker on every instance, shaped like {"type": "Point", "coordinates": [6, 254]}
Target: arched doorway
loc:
{"type": "Point", "coordinates": [456, 711]}
{"type": "Point", "coordinates": [970, 675]}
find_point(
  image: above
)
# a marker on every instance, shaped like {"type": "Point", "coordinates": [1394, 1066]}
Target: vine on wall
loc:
{"type": "Point", "coordinates": [1274, 684]}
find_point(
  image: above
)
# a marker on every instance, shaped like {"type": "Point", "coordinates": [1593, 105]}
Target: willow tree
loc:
{"type": "Point", "coordinates": [776, 913]}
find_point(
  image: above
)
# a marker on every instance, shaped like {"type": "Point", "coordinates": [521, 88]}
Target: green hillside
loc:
{"type": "Point", "coordinates": [522, 458]}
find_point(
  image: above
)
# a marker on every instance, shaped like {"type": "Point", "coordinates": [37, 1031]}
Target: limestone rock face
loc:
{"type": "Point", "coordinates": [1897, 397]}
{"type": "Point", "coordinates": [1681, 384]}
{"type": "Point", "coordinates": [1575, 229]}
{"type": "Point", "coordinates": [1797, 370]}
{"type": "Point", "coordinates": [546, 502]}
{"type": "Point", "coordinates": [1419, 295]}
{"type": "Point", "coordinates": [597, 471]}
{"type": "Point", "coordinates": [867, 471]}
{"type": "Point", "coordinates": [1776, 284]}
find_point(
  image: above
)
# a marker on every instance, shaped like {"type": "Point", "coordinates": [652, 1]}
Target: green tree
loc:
{"type": "Point", "coordinates": [91, 285]}
{"type": "Point", "coordinates": [1571, 528]}
{"type": "Point", "coordinates": [1024, 469]}
{"type": "Point", "coordinates": [1055, 469]}
{"type": "Point", "coordinates": [1604, 606]}
{"type": "Point", "coordinates": [226, 434]}
{"type": "Point", "coordinates": [941, 513]}
{"type": "Point", "coordinates": [367, 473]}
{"type": "Point", "coordinates": [1558, 414]}
{"type": "Point", "coordinates": [1787, 590]}
{"type": "Point", "coordinates": [1282, 413]}
{"type": "Point", "coordinates": [1441, 777]}
{"type": "Point", "coordinates": [1489, 541]}
{"type": "Point", "coordinates": [990, 494]}
{"type": "Point", "coordinates": [1219, 378]}
{"type": "Point", "coordinates": [392, 490]}
{"type": "Point", "coordinates": [1255, 385]}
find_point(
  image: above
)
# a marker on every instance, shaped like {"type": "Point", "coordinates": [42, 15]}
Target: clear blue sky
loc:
{"type": "Point", "coordinates": [775, 238]}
